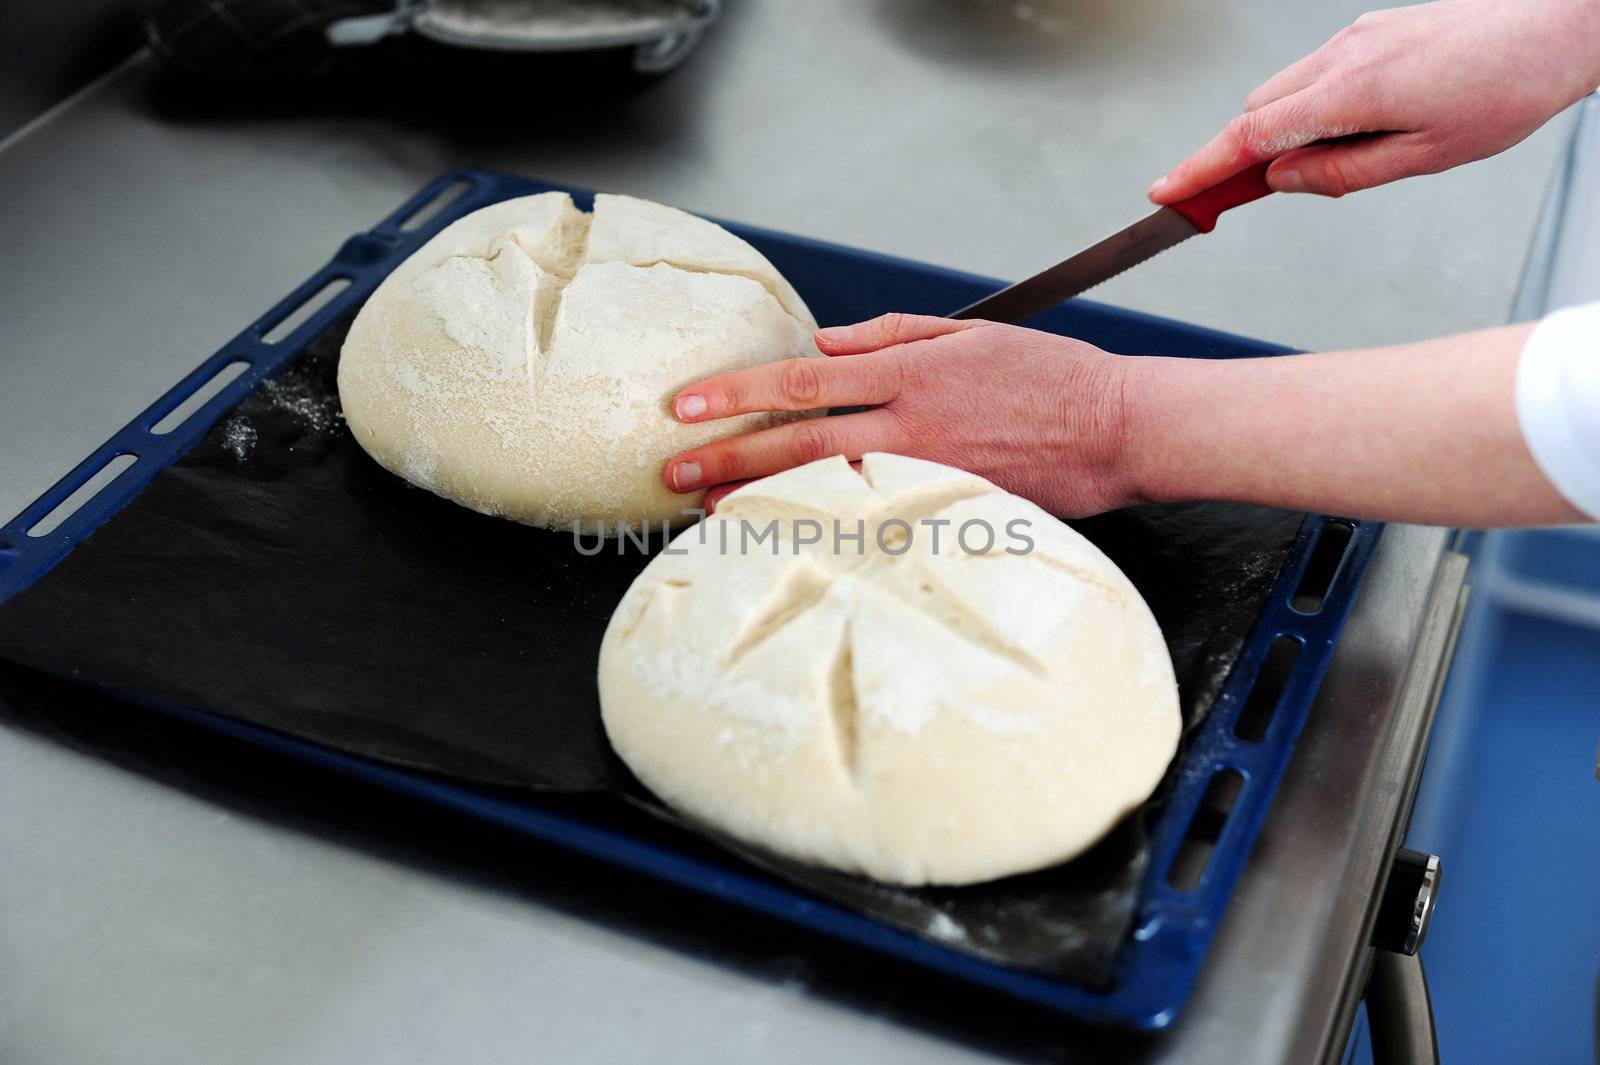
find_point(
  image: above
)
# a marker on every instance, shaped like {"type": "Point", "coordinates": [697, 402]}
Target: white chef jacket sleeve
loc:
{"type": "Point", "coordinates": [1558, 402]}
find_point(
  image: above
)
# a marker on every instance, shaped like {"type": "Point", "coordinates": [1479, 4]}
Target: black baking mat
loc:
{"type": "Point", "coordinates": [276, 575]}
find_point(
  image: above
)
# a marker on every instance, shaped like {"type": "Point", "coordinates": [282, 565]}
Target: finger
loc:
{"type": "Point", "coordinates": [1288, 81]}
{"type": "Point", "coordinates": [1351, 165]}
{"type": "Point", "coordinates": [1253, 137]}
{"type": "Point", "coordinates": [783, 447]}
{"type": "Point", "coordinates": [793, 384]}
{"type": "Point", "coordinates": [887, 330]}
{"type": "Point", "coordinates": [716, 495]}
{"type": "Point", "coordinates": [720, 492]}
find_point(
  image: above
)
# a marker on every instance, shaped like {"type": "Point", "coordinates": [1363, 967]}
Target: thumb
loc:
{"type": "Point", "coordinates": [886, 331]}
{"type": "Point", "coordinates": [1349, 166]}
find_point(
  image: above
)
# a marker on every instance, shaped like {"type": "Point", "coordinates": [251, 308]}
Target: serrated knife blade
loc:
{"type": "Point", "coordinates": [1149, 236]}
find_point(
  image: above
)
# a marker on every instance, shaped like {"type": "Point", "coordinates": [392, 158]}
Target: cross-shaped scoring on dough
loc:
{"type": "Point", "coordinates": [889, 544]}
{"type": "Point", "coordinates": [920, 715]}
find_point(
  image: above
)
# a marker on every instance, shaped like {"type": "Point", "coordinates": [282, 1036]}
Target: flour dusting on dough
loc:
{"type": "Point", "coordinates": [535, 350]}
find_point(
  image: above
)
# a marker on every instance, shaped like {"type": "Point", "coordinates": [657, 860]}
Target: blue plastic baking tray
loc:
{"type": "Point", "coordinates": [1232, 762]}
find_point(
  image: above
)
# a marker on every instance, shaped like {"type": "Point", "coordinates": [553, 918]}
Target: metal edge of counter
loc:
{"type": "Point", "coordinates": [1413, 728]}
{"type": "Point", "coordinates": [1289, 962]}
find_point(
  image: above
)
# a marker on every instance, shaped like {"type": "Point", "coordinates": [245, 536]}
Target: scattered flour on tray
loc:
{"type": "Point", "coordinates": [942, 926]}
{"type": "Point", "coordinates": [238, 438]}
{"type": "Point", "coordinates": [317, 410]}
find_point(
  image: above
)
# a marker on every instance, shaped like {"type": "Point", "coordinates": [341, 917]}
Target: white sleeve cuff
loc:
{"type": "Point", "coordinates": [1558, 403]}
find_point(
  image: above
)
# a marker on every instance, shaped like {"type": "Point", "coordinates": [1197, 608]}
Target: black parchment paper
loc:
{"type": "Point", "coordinates": [277, 575]}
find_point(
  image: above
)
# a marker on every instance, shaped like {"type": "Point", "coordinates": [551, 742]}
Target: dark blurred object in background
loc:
{"type": "Point", "coordinates": [274, 39]}
{"type": "Point", "coordinates": [250, 38]}
{"type": "Point", "coordinates": [50, 49]}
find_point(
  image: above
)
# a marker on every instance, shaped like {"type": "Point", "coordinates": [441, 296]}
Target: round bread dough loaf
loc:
{"type": "Point", "coordinates": [920, 710]}
{"type": "Point", "coordinates": [523, 361]}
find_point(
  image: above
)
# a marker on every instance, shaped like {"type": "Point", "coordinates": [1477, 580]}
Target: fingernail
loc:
{"type": "Point", "coordinates": [1156, 186]}
{"type": "Point", "coordinates": [835, 334]}
{"type": "Point", "coordinates": [1288, 181]}
{"type": "Point", "coordinates": [686, 475]}
{"type": "Point", "coordinates": [690, 406]}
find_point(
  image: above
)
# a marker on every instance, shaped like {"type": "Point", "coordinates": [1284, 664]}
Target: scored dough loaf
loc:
{"type": "Point", "coordinates": [919, 713]}
{"type": "Point", "coordinates": [523, 361]}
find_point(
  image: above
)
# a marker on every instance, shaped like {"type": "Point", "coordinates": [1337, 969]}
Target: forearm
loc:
{"type": "Point", "coordinates": [1423, 432]}
{"type": "Point", "coordinates": [1570, 29]}
{"type": "Point", "coordinates": [1581, 20]}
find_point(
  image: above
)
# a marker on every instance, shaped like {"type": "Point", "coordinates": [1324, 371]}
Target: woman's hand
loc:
{"type": "Point", "coordinates": [1405, 91]}
{"type": "Point", "coordinates": [1424, 432]}
{"type": "Point", "coordinates": [1037, 414]}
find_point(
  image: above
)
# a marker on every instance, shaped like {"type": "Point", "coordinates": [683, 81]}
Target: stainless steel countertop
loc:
{"type": "Point", "coordinates": [171, 897]}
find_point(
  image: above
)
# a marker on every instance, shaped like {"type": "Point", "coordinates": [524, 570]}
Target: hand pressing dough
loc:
{"type": "Point", "coordinates": [523, 361]}
{"type": "Point", "coordinates": [919, 715]}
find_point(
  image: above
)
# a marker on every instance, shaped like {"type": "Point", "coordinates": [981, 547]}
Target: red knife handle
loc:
{"type": "Point", "coordinates": [1202, 209]}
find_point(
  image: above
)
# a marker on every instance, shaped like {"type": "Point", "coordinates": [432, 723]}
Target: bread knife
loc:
{"type": "Point", "coordinates": [1149, 236]}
